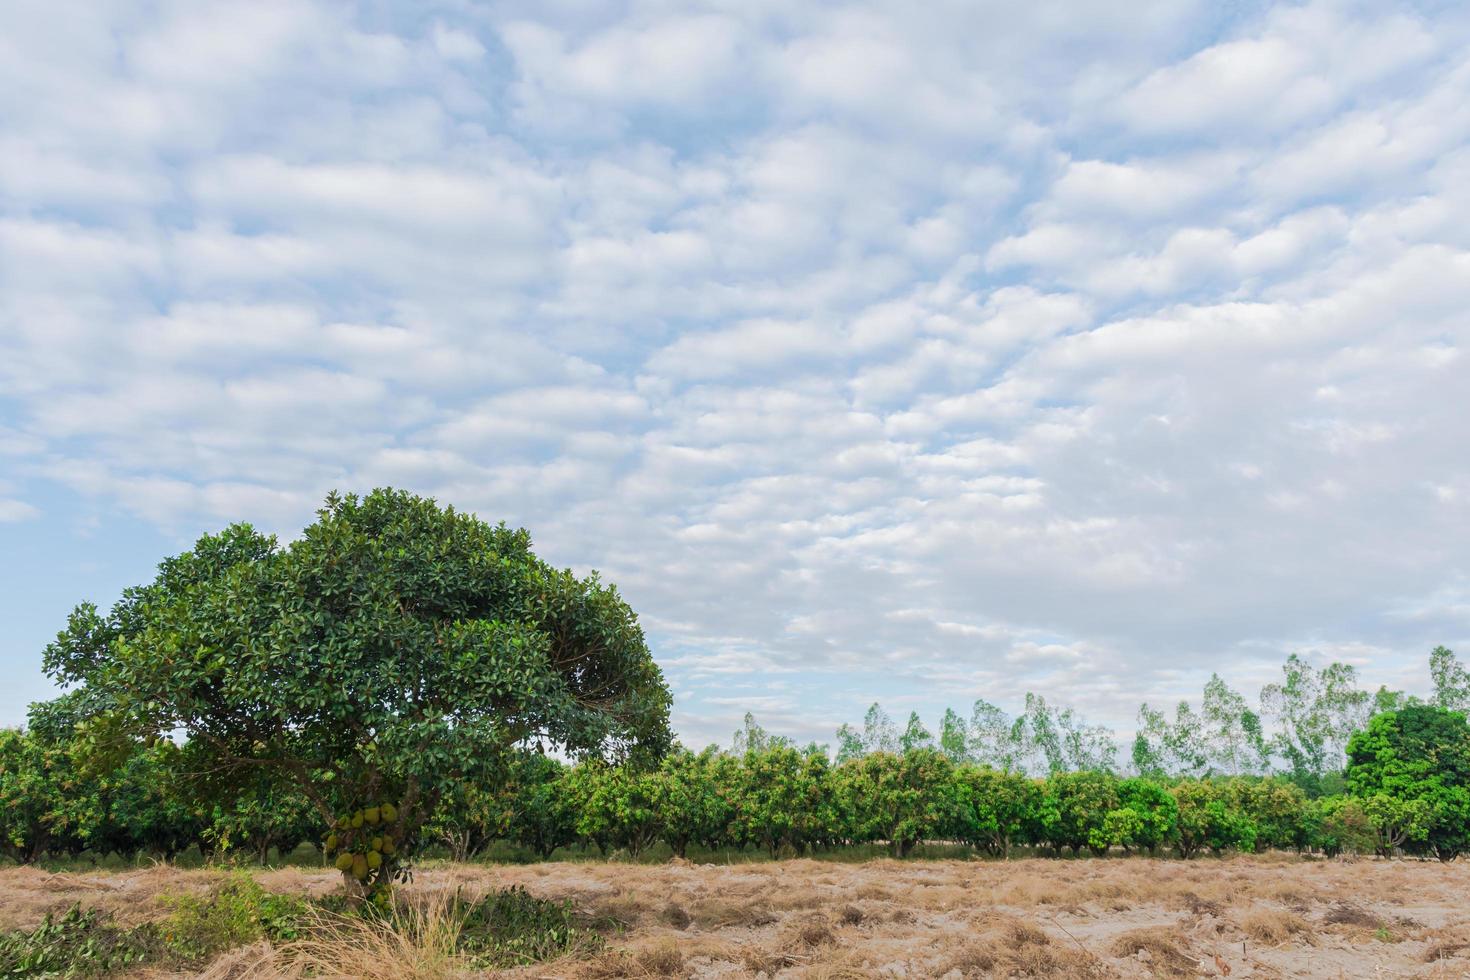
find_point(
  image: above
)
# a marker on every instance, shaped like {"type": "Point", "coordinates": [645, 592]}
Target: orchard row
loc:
{"type": "Point", "coordinates": [1407, 790]}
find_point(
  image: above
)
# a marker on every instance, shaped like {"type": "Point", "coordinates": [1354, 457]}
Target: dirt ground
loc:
{"type": "Point", "coordinates": [1240, 917]}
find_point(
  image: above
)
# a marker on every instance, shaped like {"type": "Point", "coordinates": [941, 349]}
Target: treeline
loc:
{"type": "Point", "coordinates": [1299, 727]}
{"type": "Point", "coordinates": [1407, 790]}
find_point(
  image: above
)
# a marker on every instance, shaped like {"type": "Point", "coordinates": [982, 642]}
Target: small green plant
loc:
{"type": "Point", "coordinates": [512, 928]}
{"type": "Point", "coordinates": [237, 913]}
{"type": "Point", "coordinates": [81, 943]}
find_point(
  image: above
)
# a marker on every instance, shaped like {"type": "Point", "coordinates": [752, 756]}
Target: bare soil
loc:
{"type": "Point", "coordinates": [1268, 916]}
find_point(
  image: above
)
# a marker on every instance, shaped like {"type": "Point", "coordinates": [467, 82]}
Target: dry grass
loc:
{"type": "Point", "coordinates": [837, 921]}
{"type": "Point", "coordinates": [1163, 949]}
{"type": "Point", "coordinates": [1274, 926]}
{"type": "Point", "coordinates": [420, 947]}
{"type": "Point", "coordinates": [723, 913]}
{"type": "Point", "coordinates": [676, 915]}
{"type": "Point", "coordinates": [1017, 947]}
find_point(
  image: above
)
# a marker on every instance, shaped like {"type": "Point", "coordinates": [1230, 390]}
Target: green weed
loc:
{"type": "Point", "coordinates": [78, 944]}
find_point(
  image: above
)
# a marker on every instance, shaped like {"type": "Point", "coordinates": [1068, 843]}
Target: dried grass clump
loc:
{"type": "Point", "coordinates": [676, 916]}
{"type": "Point", "coordinates": [850, 915]}
{"type": "Point", "coordinates": [1162, 948]}
{"type": "Point", "coordinates": [762, 959]}
{"type": "Point", "coordinates": [847, 967]}
{"type": "Point", "coordinates": [659, 960]}
{"type": "Point", "coordinates": [1438, 952]}
{"type": "Point", "coordinates": [1019, 948]}
{"type": "Point", "coordinates": [725, 913]}
{"type": "Point", "coordinates": [813, 931]}
{"type": "Point", "coordinates": [1274, 927]}
{"type": "Point", "coordinates": [1019, 933]}
{"type": "Point", "coordinates": [623, 910]}
{"type": "Point", "coordinates": [799, 943]}
{"type": "Point", "coordinates": [799, 898]}
{"type": "Point", "coordinates": [1199, 906]}
{"type": "Point", "coordinates": [1345, 914]}
{"type": "Point", "coordinates": [420, 946]}
{"type": "Point", "coordinates": [974, 959]}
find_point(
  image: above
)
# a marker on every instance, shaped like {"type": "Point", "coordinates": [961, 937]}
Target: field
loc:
{"type": "Point", "coordinates": [1262, 916]}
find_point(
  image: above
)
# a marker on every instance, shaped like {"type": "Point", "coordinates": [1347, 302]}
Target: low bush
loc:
{"type": "Point", "coordinates": [81, 943]}
{"type": "Point", "coordinates": [512, 928]}
{"type": "Point", "coordinates": [235, 914]}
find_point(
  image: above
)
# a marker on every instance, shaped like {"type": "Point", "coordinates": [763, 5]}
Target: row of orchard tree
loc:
{"type": "Point", "coordinates": [1407, 789]}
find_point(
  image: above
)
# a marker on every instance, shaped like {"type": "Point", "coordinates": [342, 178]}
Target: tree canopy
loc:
{"type": "Point", "coordinates": [1417, 761]}
{"type": "Point", "coordinates": [395, 648]}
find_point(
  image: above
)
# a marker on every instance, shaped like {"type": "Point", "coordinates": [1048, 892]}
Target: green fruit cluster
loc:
{"type": "Point", "coordinates": [364, 840]}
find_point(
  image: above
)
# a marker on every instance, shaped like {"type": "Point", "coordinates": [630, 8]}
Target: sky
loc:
{"type": "Point", "coordinates": [877, 351]}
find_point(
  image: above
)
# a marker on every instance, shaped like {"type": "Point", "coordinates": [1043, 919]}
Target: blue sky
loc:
{"type": "Point", "coordinates": [905, 352]}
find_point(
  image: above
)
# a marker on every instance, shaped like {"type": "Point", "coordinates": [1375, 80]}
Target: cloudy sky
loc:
{"type": "Point", "coordinates": [905, 351]}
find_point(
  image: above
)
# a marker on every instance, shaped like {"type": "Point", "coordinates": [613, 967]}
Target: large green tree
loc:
{"type": "Point", "coordinates": [393, 650]}
{"type": "Point", "coordinates": [1421, 753]}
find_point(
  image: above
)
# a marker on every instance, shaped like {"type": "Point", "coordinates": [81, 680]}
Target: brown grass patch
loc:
{"type": "Point", "coordinates": [662, 959]}
{"type": "Point", "coordinates": [1438, 952]}
{"type": "Point", "coordinates": [1346, 914]}
{"type": "Point", "coordinates": [1015, 947]}
{"type": "Point", "coordinates": [803, 898]}
{"type": "Point", "coordinates": [910, 914]}
{"type": "Point", "coordinates": [1274, 926]}
{"type": "Point", "coordinates": [1162, 948]}
{"type": "Point", "coordinates": [813, 931]}
{"type": "Point", "coordinates": [724, 913]}
{"type": "Point", "coordinates": [676, 915]}
{"type": "Point", "coordinates": [29, 894]}
{"type": "Point", "coordinates": [624, 910]}
{"type": "Point", "coordinates": [875, 893]}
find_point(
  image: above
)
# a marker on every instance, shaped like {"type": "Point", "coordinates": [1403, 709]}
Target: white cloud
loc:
{"type": "Point", "coordinates": [12, 510]}
{"type": "Point", "coordinates": [943, 353]}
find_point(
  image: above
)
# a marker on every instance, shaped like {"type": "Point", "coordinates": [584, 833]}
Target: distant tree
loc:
{"type": "Point", "coordinates": [954, 737]}
{"type": "Point", "coordinates": [849, 744]}
{"type": "Point", "coordinates": [785, 799]}
{"type": "Point", "coordinates": [1064, 741]}
{"type": "Point", "coordinates": [996, 740]}
{"type": "Point", "coordinates": [1177, 747]}
{"type": "Point", "coordinates": [1232, 731]}
{"type": "Point", "coordinates": [1147, 754]}
{"type": "Point", "coordinates": [1041, 737]}
{"type": "Point", "coordinates": [1451, 680]}
{"type": "Point", "coordinates": [753, 738]}
{"type": "Point", "coordinates": [1386, 699]}
{"type": "Point", "coordinates": [1150, 815]}
{"type": "Point", "coordinates": [901, 799]}
{"type": "Point", "coordinates": [879, 733]}
{"type": "Point", "coordinates": [915, 736]}
{"type": "Point", "coordinates": [1316, 713]}
{"type": "Point", "coordinates": [541, 815]}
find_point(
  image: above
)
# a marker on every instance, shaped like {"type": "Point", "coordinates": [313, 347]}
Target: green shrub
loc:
{"type": "Point", "coordinates": [237, 913]}
{"type": "Point", "coordinates": [512, 928]}
{"type": "Point", "coordinates": [79, 944]}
